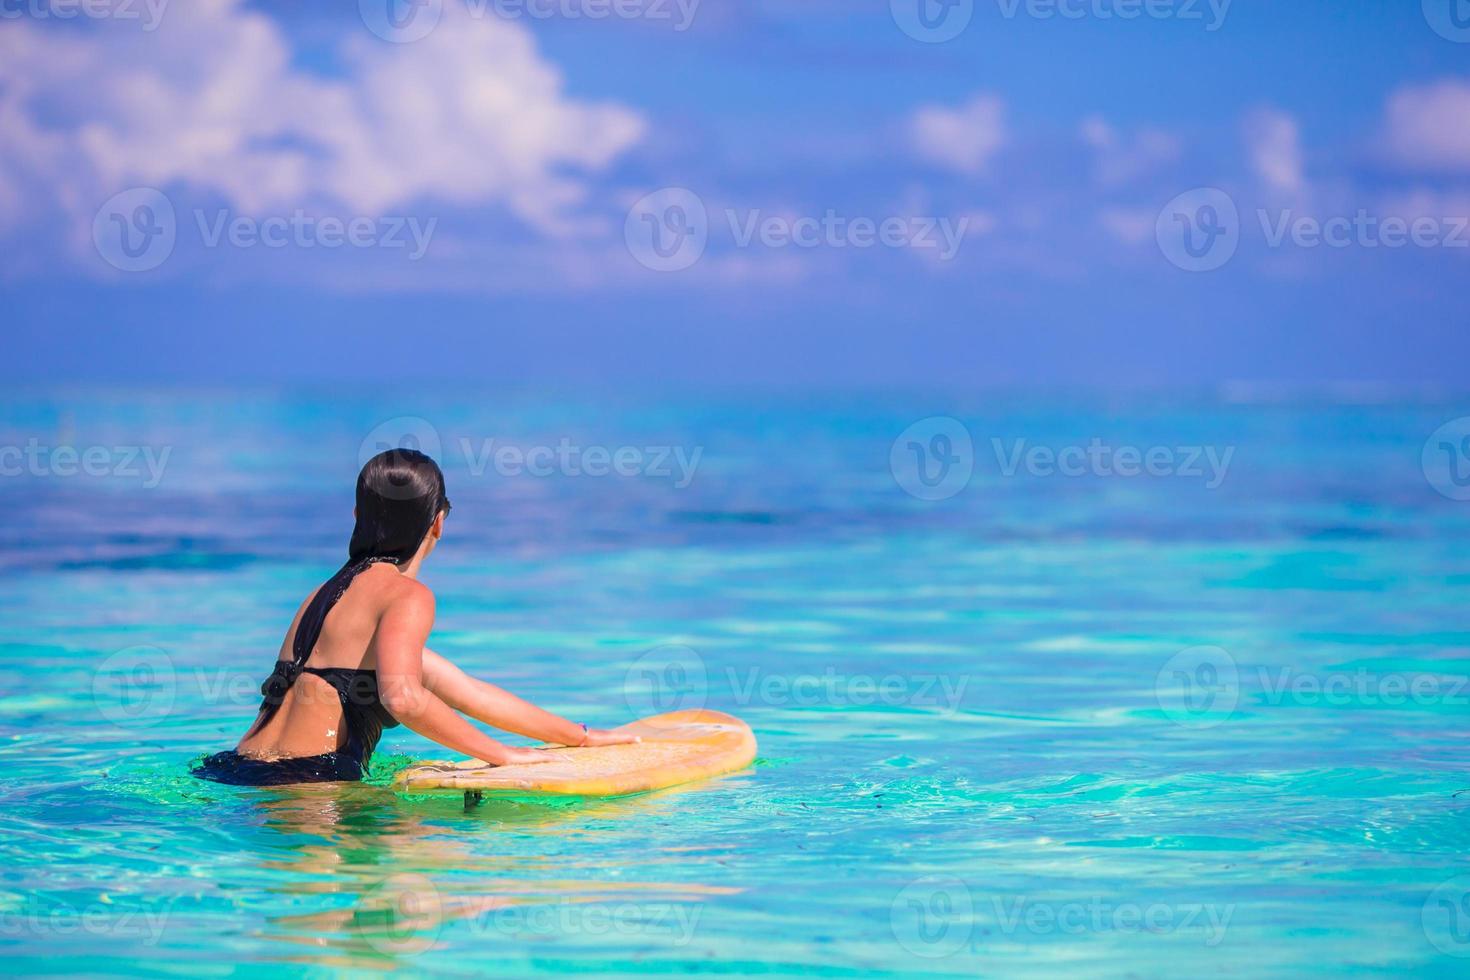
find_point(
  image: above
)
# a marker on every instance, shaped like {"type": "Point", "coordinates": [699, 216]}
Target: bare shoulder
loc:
{"type": "Point", "coordinates": [406, 620]}
{"type": "Point", "coordinates": [409, 597]}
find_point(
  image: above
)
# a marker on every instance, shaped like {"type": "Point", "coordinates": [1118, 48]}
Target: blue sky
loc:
{"type": "Point", "coordinates": [498, 171]}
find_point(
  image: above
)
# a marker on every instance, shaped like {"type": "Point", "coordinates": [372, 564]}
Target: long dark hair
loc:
{"type": "Point", "coordinates": [399, 493]}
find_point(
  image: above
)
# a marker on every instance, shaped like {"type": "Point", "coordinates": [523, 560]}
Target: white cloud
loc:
{"type": "Point", "coordinates": [1273, 141]}
{"type": "Point", "coordinates": [964, 139]}
{"type": "Point", "coordinates": [214, 99]}
{"type": "Point", "coordinates": [1428, 127]}
{"type": "Point", "coordinates": [1119, 158]}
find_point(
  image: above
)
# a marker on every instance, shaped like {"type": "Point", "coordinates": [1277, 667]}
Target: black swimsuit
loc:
{"type": "Point", "coordinates": [363, 713]}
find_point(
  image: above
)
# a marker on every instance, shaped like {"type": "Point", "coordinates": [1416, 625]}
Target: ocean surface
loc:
{"type": "Point", "coordinates": [1044, 684]}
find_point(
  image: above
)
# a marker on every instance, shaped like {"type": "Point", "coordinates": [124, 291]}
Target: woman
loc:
{"type": "Point", "coordinates": [354, 660]}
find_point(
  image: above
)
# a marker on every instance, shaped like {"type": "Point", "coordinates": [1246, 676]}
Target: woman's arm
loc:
{"type": "Point", "coordinates": [496, 706]}
{"type": "Point", "coordinates": [400, 647]}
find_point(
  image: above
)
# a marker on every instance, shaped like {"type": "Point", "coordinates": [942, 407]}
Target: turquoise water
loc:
{"type": "Point", "coordinates": [1103, 723]}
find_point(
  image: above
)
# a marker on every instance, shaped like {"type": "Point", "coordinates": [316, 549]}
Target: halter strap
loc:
{"type": "Point", "coordinates": [308, 631]}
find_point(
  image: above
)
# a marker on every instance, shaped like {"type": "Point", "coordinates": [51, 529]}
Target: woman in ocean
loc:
{"type": "Point", "coordinates": [354, 660]}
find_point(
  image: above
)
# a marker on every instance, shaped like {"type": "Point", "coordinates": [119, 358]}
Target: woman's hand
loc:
{"type": "Point", "coordinates": [525, 757]}
{"type": "Point", "coordinates": [597, 736]}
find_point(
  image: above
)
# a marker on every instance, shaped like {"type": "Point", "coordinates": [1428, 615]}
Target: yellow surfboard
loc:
{"type": "Point", "coordinates": [678, 747]}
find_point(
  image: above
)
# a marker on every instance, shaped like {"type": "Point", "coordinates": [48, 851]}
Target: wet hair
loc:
{"type": "Point", "coordinates": [399, 493]}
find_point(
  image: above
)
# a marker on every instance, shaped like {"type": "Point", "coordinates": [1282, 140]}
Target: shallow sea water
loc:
{"type": "Point", "coordinates": [1129, 725]}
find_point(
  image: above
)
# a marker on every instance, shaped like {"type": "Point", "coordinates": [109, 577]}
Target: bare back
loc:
{"type": "Point", "coordinates": [310, 719]}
